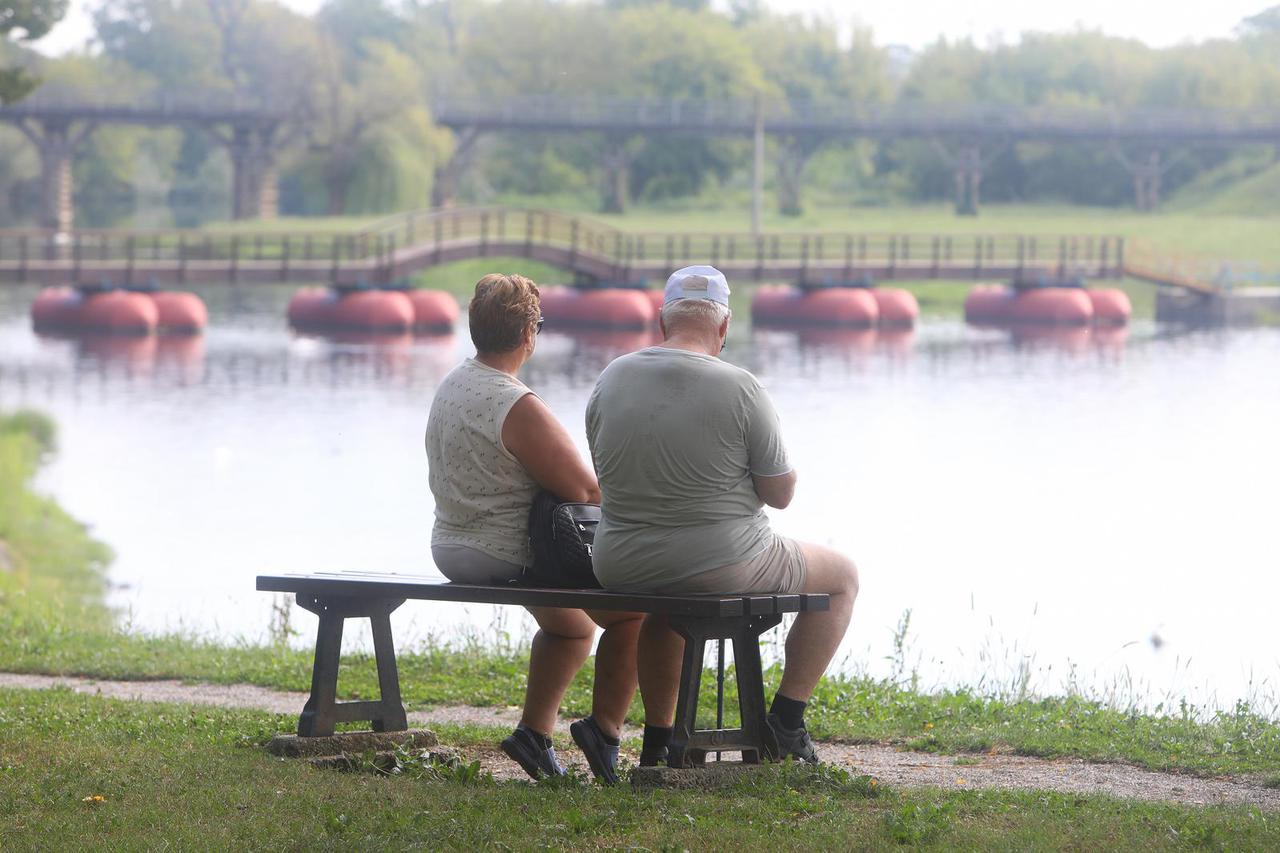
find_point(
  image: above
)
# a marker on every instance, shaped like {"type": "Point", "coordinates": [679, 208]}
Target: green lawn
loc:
{"type": "Point", "coordinates": [80, 772]}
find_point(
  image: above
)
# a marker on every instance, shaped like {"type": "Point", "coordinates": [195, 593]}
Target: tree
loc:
{"type": "Point", "coordinates": [358, 96]}
{"type": "Point", "coordinates": [25, 20]}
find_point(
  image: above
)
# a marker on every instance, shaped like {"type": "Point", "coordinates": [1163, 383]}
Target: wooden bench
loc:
{"type": "Point", "coordinates": [698, 618]}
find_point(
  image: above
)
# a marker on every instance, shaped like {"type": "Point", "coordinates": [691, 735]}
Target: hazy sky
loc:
{"type": "Point", "coordinates": [918, 22]}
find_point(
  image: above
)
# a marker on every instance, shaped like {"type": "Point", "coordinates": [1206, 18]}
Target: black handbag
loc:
{"type": "Point", "coordinates": [561, 535]}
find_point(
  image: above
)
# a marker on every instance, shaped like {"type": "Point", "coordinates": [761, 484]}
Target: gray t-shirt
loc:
{"type": "Point", "coordinates": [675, 437]}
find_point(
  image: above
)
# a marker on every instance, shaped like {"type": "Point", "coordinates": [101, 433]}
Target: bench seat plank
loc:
{"type": "Point", "coordinates": [431, 588]}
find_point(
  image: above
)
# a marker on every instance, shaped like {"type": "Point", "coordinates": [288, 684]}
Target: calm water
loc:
{"type": "Point", "coordinates": [1098, 512]}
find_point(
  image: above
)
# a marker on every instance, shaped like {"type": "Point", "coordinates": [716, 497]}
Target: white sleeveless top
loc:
{"type": "Point", "coordinates": [482, 492]}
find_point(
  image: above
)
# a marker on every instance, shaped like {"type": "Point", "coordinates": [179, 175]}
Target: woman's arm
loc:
{"type": "Point", "coordinates": [534, 437]}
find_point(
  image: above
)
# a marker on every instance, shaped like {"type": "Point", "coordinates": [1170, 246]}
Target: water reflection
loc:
{"type": "Point", "coordinates": [999, 483]}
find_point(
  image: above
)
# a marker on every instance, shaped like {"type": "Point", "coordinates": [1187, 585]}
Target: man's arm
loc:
{"type": "Point", "coordinates": [777, 491]}
{"type": "Point", "coordinates": [771, 473]}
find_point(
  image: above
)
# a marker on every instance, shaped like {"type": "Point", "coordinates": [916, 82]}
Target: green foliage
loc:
{"type": "Point", "coordinates": [52, 570]}
{"type": "Point", "coordinates": [26, 20]}
{"type": "Point", "coordinates": [31, 18]}
{"type": "Point", "coordinates": [37, 425]}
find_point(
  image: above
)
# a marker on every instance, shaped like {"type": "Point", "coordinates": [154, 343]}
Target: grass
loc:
{"type": "Point", "coordinates": [1217, 234]}
{"type": "Point", "coordinates": [460, 277]}
{"type": "Point", "coordinates": [81, 771]}
{"type": "Point", "coordinates": [57, 570]}
{"type": "Point", "coordinates": [849, 709]}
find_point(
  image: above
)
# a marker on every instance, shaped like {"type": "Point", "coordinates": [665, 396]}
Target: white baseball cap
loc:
{"type": "Point", "coordinates": [697, 282]}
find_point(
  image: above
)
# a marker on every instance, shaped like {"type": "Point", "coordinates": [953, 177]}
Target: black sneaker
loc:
{"type": "Point", "coordinates": [793, 743]}
{"type": "Point", "coordinates": [602, 756]}
{"type": "Point", "coordinates": [653, 757]}
{"type": "Point", "coordinates": [526, 748]}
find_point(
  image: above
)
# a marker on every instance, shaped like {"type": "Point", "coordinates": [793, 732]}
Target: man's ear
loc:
{"type": "Point", "coordinates": [724, 327]}
{"type": "Point", "coordinates": [662, 326]}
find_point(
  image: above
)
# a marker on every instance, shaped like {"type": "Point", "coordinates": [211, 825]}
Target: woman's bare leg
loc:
{"type": "Point", "coordinates": [559, 649]}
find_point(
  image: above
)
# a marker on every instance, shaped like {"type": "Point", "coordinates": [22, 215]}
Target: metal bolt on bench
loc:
{"type": "Point", "coordinates": [336, 597]}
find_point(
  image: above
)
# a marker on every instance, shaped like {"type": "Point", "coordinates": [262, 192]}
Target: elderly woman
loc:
{"type": "Point", "coordinates": [491, 444]}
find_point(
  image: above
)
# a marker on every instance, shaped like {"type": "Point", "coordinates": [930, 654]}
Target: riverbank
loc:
{"type": "Point", "coordinates": [149, 762]}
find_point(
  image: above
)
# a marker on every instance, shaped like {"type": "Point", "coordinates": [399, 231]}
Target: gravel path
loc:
{"type": "Point", "coordinates": [894, 767]}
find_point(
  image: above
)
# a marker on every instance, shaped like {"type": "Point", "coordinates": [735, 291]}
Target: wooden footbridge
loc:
{"type": "Point", "coordinates": [593, 252]}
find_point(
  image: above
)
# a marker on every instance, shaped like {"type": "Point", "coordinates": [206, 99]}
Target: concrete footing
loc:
{"type": "Point", "coordinates": [713, 776]}
{"type": "Point", "coordinates": [1246, 306]}
{"type": "Point", "coordinates": [346, 743]}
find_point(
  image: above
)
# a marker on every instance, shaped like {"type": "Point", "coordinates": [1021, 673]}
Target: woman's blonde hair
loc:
{"type": "Point", "coordinates": [501, 309]}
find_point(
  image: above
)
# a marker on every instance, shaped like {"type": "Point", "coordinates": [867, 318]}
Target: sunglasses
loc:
{"type": "Point", "coordinates": [537, 327]}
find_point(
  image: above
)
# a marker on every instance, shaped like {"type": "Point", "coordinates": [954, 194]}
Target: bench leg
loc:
{"type": "Point", "coordinates": [685, 725]}
{"type": "Point", "coordinates": [323, 712]}
{"type": "Point", "coordinates": [317, 719]}
{"type": "Point", "coordinates": [753, 738]}
{"type": "Point", "coordinates": [393, 718]}
{"type": "Point", "coordinates": [751, 701]}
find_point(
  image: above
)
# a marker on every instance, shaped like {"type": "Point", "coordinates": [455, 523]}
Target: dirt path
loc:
{"type": "Point", "coordinates": [894, 767]}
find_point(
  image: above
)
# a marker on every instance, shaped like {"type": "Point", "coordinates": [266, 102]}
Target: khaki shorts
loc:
{"type": "Point", "coordinates": [779, 568]}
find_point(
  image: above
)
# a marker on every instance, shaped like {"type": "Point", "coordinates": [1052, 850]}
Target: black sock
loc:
{"type": "Point", "coordinates": [790, 712]}
{"type": "Point", "coordinates": [538, 737]}
{"type": "Point", "coordinates": [605, 736]}
{"type": "Point", "coordinates": [657, 738]}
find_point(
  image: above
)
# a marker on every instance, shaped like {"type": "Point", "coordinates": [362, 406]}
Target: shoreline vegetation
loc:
{"type": "Point", "coordinates": [58, 749]}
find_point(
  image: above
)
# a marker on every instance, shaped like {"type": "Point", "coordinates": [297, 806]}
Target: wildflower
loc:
{"type": "Point", "coordinates": [94, 798]}
{"type": "Point", "coordinates": [928, 725]}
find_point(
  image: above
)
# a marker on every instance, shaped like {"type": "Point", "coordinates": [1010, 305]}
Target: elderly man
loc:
{"type": "Point", "coordinates": [688, 450]}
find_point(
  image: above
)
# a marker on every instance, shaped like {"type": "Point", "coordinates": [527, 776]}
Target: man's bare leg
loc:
{"type": "Point", "coordinates": [659, 657]}
{"type": "Point", "coordinates": [615, 682]}
{"type": "Point", "coordinates": [814, 638]}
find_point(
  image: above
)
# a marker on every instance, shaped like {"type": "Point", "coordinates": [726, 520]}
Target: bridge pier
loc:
{"type": "Point", "coordinates": [254, 181]}
{"type": "Point", "coordinates": [793, 155]}
{"type": "Point", "coordinates": [1148, 175]}
{"type": "Point", "coordinates": [55, 142]}
{"type": "Point", "coordinates": [967, 165]}
{"type": "Point", "coordinates": [617, 175]}
{"type": "Point", "coordinates": [968, 177]}
{"type": "Point", "coordinates": [444, 186]}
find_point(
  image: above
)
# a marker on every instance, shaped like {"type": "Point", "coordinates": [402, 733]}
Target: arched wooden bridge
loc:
{"type": "Point", "coordinates": [593, 252]}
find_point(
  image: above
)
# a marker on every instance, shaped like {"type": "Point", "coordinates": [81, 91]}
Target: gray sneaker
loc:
{"type": "Point", "coordinates": [526, 748]}
{"type": "Point", "coordinates": [793, 743]}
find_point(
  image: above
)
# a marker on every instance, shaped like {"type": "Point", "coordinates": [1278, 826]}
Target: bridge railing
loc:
{"type": "Point", "coordinates": [34, 246]}
{"type": "Point", "coordinates": [730, 115]}
{"type": "Point", "coordinates": [501, 229]}
{"type": "Point", "coordinates": [1192, 271]}
{"type": "Point", "coordinates": [398, 245]}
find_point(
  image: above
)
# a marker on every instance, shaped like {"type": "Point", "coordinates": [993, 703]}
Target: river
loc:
{"type": "Point", "coordinates": [1090, 513]}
